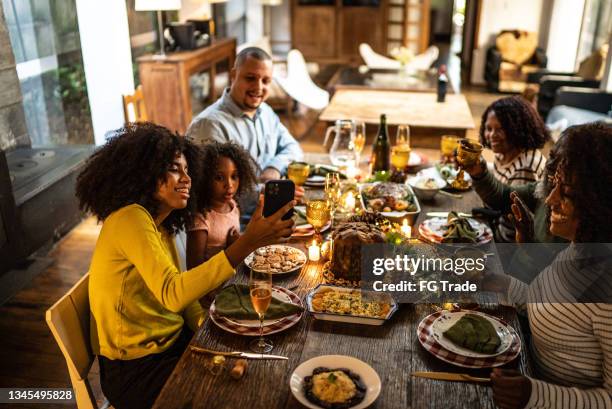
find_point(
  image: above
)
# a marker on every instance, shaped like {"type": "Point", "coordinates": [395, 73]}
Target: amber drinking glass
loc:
{"type": "Point", "coordinates": [318, 214]}
{"type": "Point", "coordinates": [298, 172]}
{"type": "Point", "coordinates": [260, 289]}
{"type": "Point", "coordinates": [468, 152]}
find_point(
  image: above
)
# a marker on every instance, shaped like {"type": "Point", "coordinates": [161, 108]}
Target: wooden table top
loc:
{"type": "Point", "coordinates": [418, 109]}
{"type": "Point", "coordinates": [393, 350]}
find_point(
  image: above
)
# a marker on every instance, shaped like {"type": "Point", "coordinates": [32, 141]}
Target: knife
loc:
{"type": "Point", "coordinates": [450, 376]}
{"type": "Point", "coordinates": [445, 214]}
{"type": "Point", "coordinates": [236, 354]}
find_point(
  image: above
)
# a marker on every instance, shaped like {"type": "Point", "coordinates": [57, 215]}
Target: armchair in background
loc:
{"type": "Point", "coordinates": [514, 55]}
{"type": "Point", "coordinates": [578, 105]}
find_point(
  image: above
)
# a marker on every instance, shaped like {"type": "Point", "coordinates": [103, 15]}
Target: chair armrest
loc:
{"type": "Point", "coordinates": [549, 84]}
{"type": "Point", "coordinates": [591, 99]}
{"type": "Point", "coordinates": [536, 76]}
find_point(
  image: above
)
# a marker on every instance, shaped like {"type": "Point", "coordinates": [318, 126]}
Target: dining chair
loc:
{"type": "Point", "coordinates": [134, 108]}
{"type": "Point", "coordinates": [298, 84]}
{"type": "Point", "coordinates": [68, 320]}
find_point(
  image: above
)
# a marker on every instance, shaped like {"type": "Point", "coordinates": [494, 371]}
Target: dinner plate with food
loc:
{"type": "Point", "coordinates": [276, 259]}
{"type": "Point", "coordinates": [452, 177]}
{"type": "Point", "coordinates": [335, 382]}
{"type": "Point", "coordinates": [455, 229]}
{"type": "Point", "coordinates": [391, 200]}
{"type": "Point", "coordinates": [341, 304]}
{"type": "Point", "coordinates": [469, 339]}
{"type": "Point", "coordinates": [471, 333]}
{"type": "Point", "coordinates": [232, 311]}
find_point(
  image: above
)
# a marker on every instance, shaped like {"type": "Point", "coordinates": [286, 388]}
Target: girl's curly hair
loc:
{"type": "Point", "coordinates": [128, 169]}
{"type": "Point", "coordinates": [585, 161]}
{"type": "Point", "coordinates": [520, 121]}
{"type": "Point", "coordinates": [211, 155]}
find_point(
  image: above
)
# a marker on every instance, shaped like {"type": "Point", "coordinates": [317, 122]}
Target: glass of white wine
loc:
{"type": "Point", "coordinates": [298, 172]}
{"type": "Point", "coordinates": [400, 152]}
{"type": "Point", "coordinates": [260, 289]}
{"type": "Point", "coordinates": [359, 141]}
{"type": "Point", "coordinates": [332, 193]}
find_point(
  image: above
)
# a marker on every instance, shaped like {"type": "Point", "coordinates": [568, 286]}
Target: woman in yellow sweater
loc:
{"type": "Point", "coordinates": [139, 184]}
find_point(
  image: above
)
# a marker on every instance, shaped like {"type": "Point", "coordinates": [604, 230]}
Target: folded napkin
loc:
{"type": "Point", "coordinates": [234, 301]}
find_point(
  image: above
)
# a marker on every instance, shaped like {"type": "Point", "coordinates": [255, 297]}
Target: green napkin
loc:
{"type": "Point", "coordinates": [474, 333]}
{"type": "Point", "coordinates": [234, 301]}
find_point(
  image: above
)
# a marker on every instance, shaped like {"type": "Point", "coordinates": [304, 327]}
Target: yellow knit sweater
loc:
{"type": "Point", "coordinates": [138, 297]}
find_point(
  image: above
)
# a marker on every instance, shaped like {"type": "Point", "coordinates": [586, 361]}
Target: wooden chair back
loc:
{"type": "Point", "coordinates": [134, 108]}
{"type": "Point", "coordinates": [68, 320]}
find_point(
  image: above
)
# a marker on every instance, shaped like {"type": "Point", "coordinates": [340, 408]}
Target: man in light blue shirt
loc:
{"type": "Point", "coordinates": [242, 116]}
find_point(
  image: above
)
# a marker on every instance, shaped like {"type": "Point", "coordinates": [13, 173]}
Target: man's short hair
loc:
{"type": "Point", "coordinates": [251, 52]}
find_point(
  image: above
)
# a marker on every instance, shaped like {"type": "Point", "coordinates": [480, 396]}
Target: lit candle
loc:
{"type": "Point", "coordinates": [406, 230]}
{"type": "Point", "coordinates": [349, 202]}
{"type": "Point", "coordinates": [314, 252]}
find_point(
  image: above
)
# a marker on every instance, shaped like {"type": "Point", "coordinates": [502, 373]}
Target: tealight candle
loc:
{"type": "Point", "coordinates": [349, 202]}
{"type": "Point", "coordinates": [406, 230]}
{"type": "Point", "coordinates": [314, 252]}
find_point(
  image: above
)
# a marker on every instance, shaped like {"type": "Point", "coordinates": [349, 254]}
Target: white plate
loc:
{"type": "Point", "coordinates": [433, 173]}
{"type": "Point", "coordinates": [279, 295]}
{"type": "Point", "coordinates": [368, 375]}
{"type": "Point", "coordinates": [315, 181]}
{"type": "Point", "coordinates": [393, 214]}
{"type": "Point", "coordinates": [448, 319]}
{"type": "Point", "coordinates": [249, 259]}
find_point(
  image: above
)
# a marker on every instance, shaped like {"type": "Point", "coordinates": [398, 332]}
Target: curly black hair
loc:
{"type": "Point", "coordinates": [244, 162]}
{"type": "Point", "coordinates": [520, 121]}
{"type": "Point", "coordinates": [585, 162]}
{"type": "Point", "coordinates": [128, 169]}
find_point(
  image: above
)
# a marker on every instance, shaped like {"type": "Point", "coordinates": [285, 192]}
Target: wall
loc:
{"type": "Point", "coordinates": [108, 61]}
{"type": "Point", "coordinates": [281, 28]}
{"type": "Point", "coordinates": [194, 9]}
{"type": "Point", "coordinates": [564, 34]}
{"type": "Point", "coordinates": [498, 15]}
{"type": "Point", "coordinates": [13, 131]}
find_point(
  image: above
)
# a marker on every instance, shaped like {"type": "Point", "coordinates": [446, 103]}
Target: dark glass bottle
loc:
{"type": "Point", "coordinates": [442, 83]}
{"type": "Point", "coordinates": [381, 149]}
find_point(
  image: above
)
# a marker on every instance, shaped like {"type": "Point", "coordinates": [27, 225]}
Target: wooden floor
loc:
{"type": "Point", "coordinates": [29, 356]}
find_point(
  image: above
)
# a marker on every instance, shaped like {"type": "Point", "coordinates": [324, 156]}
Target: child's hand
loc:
{"type": "Point", "coordinates": [232, 235]}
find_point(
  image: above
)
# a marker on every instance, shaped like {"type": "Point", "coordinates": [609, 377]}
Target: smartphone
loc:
{"type": "Point", "coordinates": [276, 195]}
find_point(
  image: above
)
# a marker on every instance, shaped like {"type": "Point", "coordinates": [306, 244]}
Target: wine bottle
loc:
{"type": "Point", "coordinates": [442, 83]}
{"type": "Point", "coordinates": [381, 148]}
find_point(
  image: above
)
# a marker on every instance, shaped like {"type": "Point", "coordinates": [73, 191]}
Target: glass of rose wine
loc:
{"type": "Point", "coordinates": [260, 288]}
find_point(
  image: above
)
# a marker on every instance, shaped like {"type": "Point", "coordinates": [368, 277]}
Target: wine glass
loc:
{"type": "Point", "coordinates": [260, 289]}
{"type": "Point", "coordinates": [400, 153]}
{"type": "Point", "coordinates": [332, 192]}
{"type": "Point", "coordinates": [359, 141]}
{"type": "Point", "coordinates": [317, 214]}
{"type": "Point", "coordinates": [403, 135]}
{"type": "Point", "coordinates": [298, 172]}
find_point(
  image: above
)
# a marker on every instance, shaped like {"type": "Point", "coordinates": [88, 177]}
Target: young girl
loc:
{"type": "Point", "coordinates": [217, 225]}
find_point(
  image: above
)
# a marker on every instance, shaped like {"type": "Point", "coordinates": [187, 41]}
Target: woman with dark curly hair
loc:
{"type": "Point", "coordinates": [514, 131]}
{"type": "Point", "coordinates": [139, 185]}
{"type": "Point", "coordinates": [231, 172]}
{"type": "Point", "coordinates": [569, 304]}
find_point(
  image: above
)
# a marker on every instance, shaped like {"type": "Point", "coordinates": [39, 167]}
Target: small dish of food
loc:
{"type": "Point", "coordinates": [276, 258]}
{"type": "Point", "coordinates": [341, 304]}
{"type": "Point", "coordinates": [425, 187]}
{"type": "Point", "coordinates": [391, 200]}
{"type": "Point", "coordinates": [335, 382]}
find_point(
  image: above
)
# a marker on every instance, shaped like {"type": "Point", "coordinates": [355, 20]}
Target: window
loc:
{"type": "Point", "coordinates": [45, 40]}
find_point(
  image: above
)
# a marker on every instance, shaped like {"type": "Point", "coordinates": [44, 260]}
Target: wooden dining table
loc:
{"type": "Point", "coordinates": [392, 350]}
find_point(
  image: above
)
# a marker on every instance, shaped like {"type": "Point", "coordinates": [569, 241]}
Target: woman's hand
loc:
{"type": "Point", "coordinates": [522, 219]}
{"type": "Point", "coordinates": [261, 231]}
{"type": "Point", "coordinates": [511, 389]}
{"type": "Point", "coordinates": [476, 170]}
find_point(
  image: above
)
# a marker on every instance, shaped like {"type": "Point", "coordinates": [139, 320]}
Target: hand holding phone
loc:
{"type": "Point", "coordinates": [276, 195]}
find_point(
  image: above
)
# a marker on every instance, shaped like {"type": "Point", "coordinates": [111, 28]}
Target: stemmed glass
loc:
{"type": "Point", "coordinates": [260, 288]}
{"type": "Point", "coordinates": [317, 214]}
{"type": "Point", "coordinates": [359, 141]}
{"type": "Point", "coordinates": [400, 153]}
{"type": "Point", "coordinates": [332, 193]}
{"type": "Point", "coordinates": [298, 172]}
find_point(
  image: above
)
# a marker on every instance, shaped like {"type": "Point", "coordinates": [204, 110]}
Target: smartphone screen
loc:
{"type": "Point", "coordinates": [277, 194]}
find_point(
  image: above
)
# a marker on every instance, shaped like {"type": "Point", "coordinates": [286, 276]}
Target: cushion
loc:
{"type": "Point", "coordinates": [517, 46]}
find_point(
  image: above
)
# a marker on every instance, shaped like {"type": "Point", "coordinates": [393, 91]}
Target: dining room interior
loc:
{"type": "Point", "coordinates": [366, 203]}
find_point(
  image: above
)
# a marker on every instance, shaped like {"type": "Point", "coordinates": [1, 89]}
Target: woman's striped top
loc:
{"type": "Point", "coordinates": [527, 167]}
{"type": "Point", "coordinates": [571, 342]}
